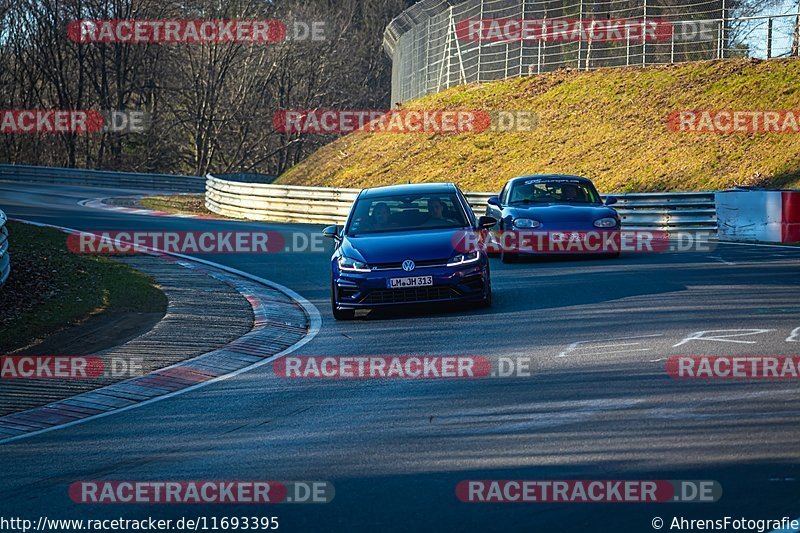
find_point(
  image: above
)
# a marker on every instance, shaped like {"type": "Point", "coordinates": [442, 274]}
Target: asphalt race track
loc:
{"type": "Point", "coordinates": [598, 405]}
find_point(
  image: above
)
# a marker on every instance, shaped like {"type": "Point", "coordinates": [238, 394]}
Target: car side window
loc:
{"type": "Point", "coordinates": [504, 194]}
{"type": "Point", "coordinates": [467, 208]}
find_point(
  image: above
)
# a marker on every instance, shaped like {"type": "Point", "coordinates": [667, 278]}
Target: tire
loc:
{"type": "Point", "coordinates": [340, 314]}
{"type": "Point", "coordinates": [509, 258]}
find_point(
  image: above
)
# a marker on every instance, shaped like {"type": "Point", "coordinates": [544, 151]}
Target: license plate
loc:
{"type": "Point", "coordinates": [404, 283]}
{"type": "Point", "coordinates": [558, 236]}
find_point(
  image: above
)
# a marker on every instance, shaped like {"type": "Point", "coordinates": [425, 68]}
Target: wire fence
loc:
{"type": "Point", "coordinates": [436, 44]}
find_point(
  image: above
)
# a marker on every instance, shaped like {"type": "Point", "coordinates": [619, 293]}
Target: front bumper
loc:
{"type": "Point", "coordinates": [355, 290]}
{"type": "Point", "coordinates": [557, 242]}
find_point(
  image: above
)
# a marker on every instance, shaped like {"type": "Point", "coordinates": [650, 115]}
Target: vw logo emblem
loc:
{"type": "Point", "coordinates": [408, 265]}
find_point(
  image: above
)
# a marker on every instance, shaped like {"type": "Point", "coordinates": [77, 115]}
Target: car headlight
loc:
{"type": "Point", "coordinates": [526, 223]}
{"type": "Point", "coordinates": [347, 264]}
{"type": "Point", "coordinates": [607, 222]}
{"type": "Point", "coordinates": [464, 259]}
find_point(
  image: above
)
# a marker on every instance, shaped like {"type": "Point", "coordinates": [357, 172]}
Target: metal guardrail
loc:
{"type": "Point", "coordinates": [101, 178]}
{"type": "Point", "coordinates": [321, 205]}
{"type": "Point", "coordinates": [5, 258]}
{"type": "Point", "coordinates": [684, 211]}
{"type": "Point", "coordinates": [278, 203]}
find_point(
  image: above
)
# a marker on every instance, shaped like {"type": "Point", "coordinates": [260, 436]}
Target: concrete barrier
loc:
{"type": "Point", "coordinates": [755, 215]}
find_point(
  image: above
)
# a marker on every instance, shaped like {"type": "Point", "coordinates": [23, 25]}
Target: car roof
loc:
{"type": "Point", "coordinates": [411, 188]}
{"type": "Point", "coordinates": [554, 177]}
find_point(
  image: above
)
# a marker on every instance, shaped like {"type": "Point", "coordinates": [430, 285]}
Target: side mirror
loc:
{"type": "Point", "coordinates": [487, 222]}
{"type": "Point", "coordinates": [611, 200]}
{"type": "Point", "coordinates": [494, 200]}
{"type": "Point", "coordinates": [331, 232]}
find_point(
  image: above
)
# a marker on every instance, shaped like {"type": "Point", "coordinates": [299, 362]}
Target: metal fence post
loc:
{"type": "Point", "coordinates": [795, 51]}
{"type": "Point", "coordinates": [521, 41]}
{"type": "Point", "coordinates": [580, 41]}
{"type": "Point", "coordinates": [414, 60]}
{"type": "Point", "coordinates": [505, 63]}
{"type": "Point", "coordinates": [627, 46]}
{"type": "Point", "coordinates": [539, 58]}
{"type": "Point", "coordinates": [722, 32]}
{"type": "Point", "coordinates": [672, 46]}
{"type": "Point", "coordinates": [644, 35]}
{"type": "Point", "coordinates": [462, 73]}
{"type": "Point", "coordinates": [445, 57]}
{"type": "Point", "coordinates": [428, 55]}
{"type": "Point", "coordinates": [769, 39]}
{"type": "Point", "coordinates": [480, 44]}
{"type": "Point", "coordinates": [449, 37]}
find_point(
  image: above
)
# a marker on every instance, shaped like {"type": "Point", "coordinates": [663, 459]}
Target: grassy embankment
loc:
{"type": "Point", "coordinates": [608, 125]}
{"type": "Point", "coordinates": [51, 289]}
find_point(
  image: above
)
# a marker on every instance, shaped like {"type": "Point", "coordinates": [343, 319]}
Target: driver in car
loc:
{"type": "Point", "coordinates": [569, 193]}
{"type": "Point", "coordinates": [436, 213]}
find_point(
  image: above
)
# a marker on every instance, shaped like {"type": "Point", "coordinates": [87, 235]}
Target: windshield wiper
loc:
{"type": "Point", "coordinates": [527, 201]}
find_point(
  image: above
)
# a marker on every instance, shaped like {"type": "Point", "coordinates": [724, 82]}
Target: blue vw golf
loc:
{"type": "Point", "coordinates": [407, 244]}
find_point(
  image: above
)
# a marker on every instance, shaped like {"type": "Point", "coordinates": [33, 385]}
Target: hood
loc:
{"type": "Point", "coordinates": [550, 213]}
{"type": "Point", "coordinates": [398, 246]}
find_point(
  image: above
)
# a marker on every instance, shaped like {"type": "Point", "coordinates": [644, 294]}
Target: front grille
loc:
{"type": "Point", "coordinates": [418, 264]}
{"type": "Point", "coordinates": [417, 294]}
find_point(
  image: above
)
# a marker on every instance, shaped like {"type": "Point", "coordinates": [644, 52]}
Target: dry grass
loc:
{"type": "Point", "coordinates": [51, 288]}
{"type": "Point", "coordinates": [608, 125]}
{"type": "Point", "coordinates": [187, 204]}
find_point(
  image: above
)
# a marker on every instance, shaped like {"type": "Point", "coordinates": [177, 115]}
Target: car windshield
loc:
{"type": "Point", "coordinates": [383, 214]}
{"type": "Point", "coordinates": [556, 191]}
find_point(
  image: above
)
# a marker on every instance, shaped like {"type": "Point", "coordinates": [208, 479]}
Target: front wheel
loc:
{"type": "Point", "coordinates": [340, 314]}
